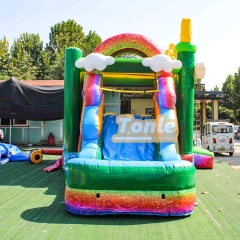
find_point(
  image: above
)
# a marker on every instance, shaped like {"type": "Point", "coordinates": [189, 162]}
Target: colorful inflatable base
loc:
{"type": "Point", "coordinates": [187, 157]}
{"type": "Point", "coordinates": [203, 161]}
{"type": "Point", "coordinates": [203, 158]}
{"type": "Point", "coordinates": [161, 203]}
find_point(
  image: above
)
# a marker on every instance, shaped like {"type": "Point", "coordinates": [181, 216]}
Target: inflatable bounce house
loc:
{"type": "Point", "coordinates": [131, 163]}
{"type": "Point", "coordinates": [11, 153]}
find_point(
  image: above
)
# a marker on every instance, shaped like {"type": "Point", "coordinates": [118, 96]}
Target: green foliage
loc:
{"type": "Point", "coordinates": [4, 58]}
{"type": "Point", "coordinates": [91, 41]}
{"type": "Point", "coordinates": [208, 111]}
{"type": "Point", "coordinates": [197, 80]}
{"type": "Point", "coordinates": [56, 68]}
{"type": "Point", "coordinates": [29, 59]}
{"type": "Point", "coordinates": [197, 107]}
{"type": "Point", "coordinates": [64, 35]}
{"type": "Point", "coordinates": [236, 89]}
{"type": "Point", "coordinates": [227, 90]}
{"type": "Point", "coordinates": [127, 54]}
{"type": "Point", "coordinates": [238, 116]}
{"type": "Point", "coordinates": [225, 113]}
{"type": "Point", "coordinates": [26, 57]}
{"type": "Point", "coordinates": [23, 70]}
{"type": "Point", "coordinates": [231, 94]}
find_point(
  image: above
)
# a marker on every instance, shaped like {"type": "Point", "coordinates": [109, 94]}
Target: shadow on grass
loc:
{"type": "Point", "coordinates": [31, 176]}
{"type": "Point", "coordinates": [56, 213]}
{"type": "Point", "coordinates": [62, 216]}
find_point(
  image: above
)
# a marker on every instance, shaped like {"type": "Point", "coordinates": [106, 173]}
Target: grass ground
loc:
{"type": "Point", "coordinates": [32, 207]}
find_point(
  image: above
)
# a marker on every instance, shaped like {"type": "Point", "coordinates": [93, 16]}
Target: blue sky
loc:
{"type": "Point", "coordinates": [215, 25]}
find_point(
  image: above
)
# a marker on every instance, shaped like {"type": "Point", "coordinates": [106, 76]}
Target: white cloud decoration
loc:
{"type": "Point", "coordinates": [161, 62]}
{"type": "Point", "coordinates": [94, 61]}
{"type": "Point", "coordinates": [199, 70]}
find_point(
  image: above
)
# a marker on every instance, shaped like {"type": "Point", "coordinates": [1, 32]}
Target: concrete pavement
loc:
{"type": "Point", "coordinates": [233, 161]}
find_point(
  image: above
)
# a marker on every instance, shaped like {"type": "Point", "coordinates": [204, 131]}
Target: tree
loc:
{"type": "Point", "coordinates": [56, 67]}
{"type": "Point", "coordinates": [91, 41]}
{"type": "Point", "coordinates": [27, 57]}
{"type": "Point", "coordinates": [225, 113]}
{"type": "Point", "coordinates": [238, 116]}
{"type": "Point", "coordinates": [231, 95]}
{"type": "Point", "coordinates": [23, 71]}
{"type": "Point", "coordinates": [208, 111]}
{"type": "Point", "coordinates": [236, 89]}
{"type": "Point", "coordinates": [4, 58]}
{"type": "Point", "coordinates": [228, 90]}
{"type": "Point", "coordinates": [64, 35]}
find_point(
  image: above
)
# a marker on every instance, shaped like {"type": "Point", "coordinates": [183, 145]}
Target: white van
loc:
{"type": "Point", "coordinates": [218, 137]}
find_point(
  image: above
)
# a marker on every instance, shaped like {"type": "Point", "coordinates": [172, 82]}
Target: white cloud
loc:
{"type": "Point", "coordinates": [199, 70]}
{"type": "Point", "coordinates": [161, 62]}
{"type": "Point", "coordinates": [94, 61]}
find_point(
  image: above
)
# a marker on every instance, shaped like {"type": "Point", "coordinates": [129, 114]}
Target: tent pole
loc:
{"type": "Point", "coordinates": [10, 131]}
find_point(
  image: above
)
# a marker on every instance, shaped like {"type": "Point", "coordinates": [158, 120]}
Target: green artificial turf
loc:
{"type": "Point", "coordinates": [32, 207]}
{"type": "Point", "coordinates": [219, 194]}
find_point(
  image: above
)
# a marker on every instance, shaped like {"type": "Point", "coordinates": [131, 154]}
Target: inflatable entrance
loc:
{"type": "Point", "coordinates": [131, 163]}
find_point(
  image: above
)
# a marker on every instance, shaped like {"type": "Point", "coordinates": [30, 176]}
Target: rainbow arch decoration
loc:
{"type": "Point", "coordinates": [128, 42]}
{"type": "Point", "coordinates": [149, 172]}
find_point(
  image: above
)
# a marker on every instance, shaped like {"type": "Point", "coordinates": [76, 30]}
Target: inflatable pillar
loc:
{"type": "Point", "coordinates": [185, 88]}
{"type": "Point", "coordinates": [72, 100]}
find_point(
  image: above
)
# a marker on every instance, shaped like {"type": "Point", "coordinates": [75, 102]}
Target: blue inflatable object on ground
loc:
{"type": "Point", "coordinates": [11, 153]}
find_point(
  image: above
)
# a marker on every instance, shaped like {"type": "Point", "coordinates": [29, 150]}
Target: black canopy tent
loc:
{"type": "Point", "coordinates": [21, 101]}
